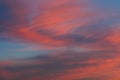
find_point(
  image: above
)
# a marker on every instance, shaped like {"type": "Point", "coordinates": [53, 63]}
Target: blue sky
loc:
{"type": "Point", "coordinates": [111, 5]}
{"type": "Point", "coordinates": [14, 50]}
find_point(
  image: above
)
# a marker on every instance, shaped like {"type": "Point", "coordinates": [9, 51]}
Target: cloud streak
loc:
{"type": "Point", "coordinates": [66, 66]}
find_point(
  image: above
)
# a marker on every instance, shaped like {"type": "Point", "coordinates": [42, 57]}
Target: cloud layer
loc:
{"type": "Point", "coordinates": [64, 65]}
{"type": "Point", "coordinates": [83, 40]}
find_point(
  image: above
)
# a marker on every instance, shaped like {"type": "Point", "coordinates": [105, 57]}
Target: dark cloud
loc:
{"type": "Point", "coordinates": [70, 66]}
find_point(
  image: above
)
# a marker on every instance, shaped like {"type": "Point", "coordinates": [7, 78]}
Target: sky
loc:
{"type": "Point", "coordinates": [112, 5]}
{"type": "Point", "coordinates": [59, 39]}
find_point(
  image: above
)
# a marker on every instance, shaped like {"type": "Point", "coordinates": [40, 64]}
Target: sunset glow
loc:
{"type": "Point", "coordinates": [59, 39]}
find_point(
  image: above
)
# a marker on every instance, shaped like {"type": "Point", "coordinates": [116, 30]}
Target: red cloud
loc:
{"type": "Point", "coordinates": [66, 66]}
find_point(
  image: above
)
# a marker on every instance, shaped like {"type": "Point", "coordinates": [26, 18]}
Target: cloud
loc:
{"type": "Point", "coordinates": [64, 65]}
{"type": "Point", "coordinates": [64, 25]}
{"type": "Point", "coordinates": [56, 23]}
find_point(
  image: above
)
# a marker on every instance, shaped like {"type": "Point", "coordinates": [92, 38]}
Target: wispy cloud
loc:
{"type": "Point", "coordinates": [58, 23]}
{"type": "Point", "coordinates": [83, 39]}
